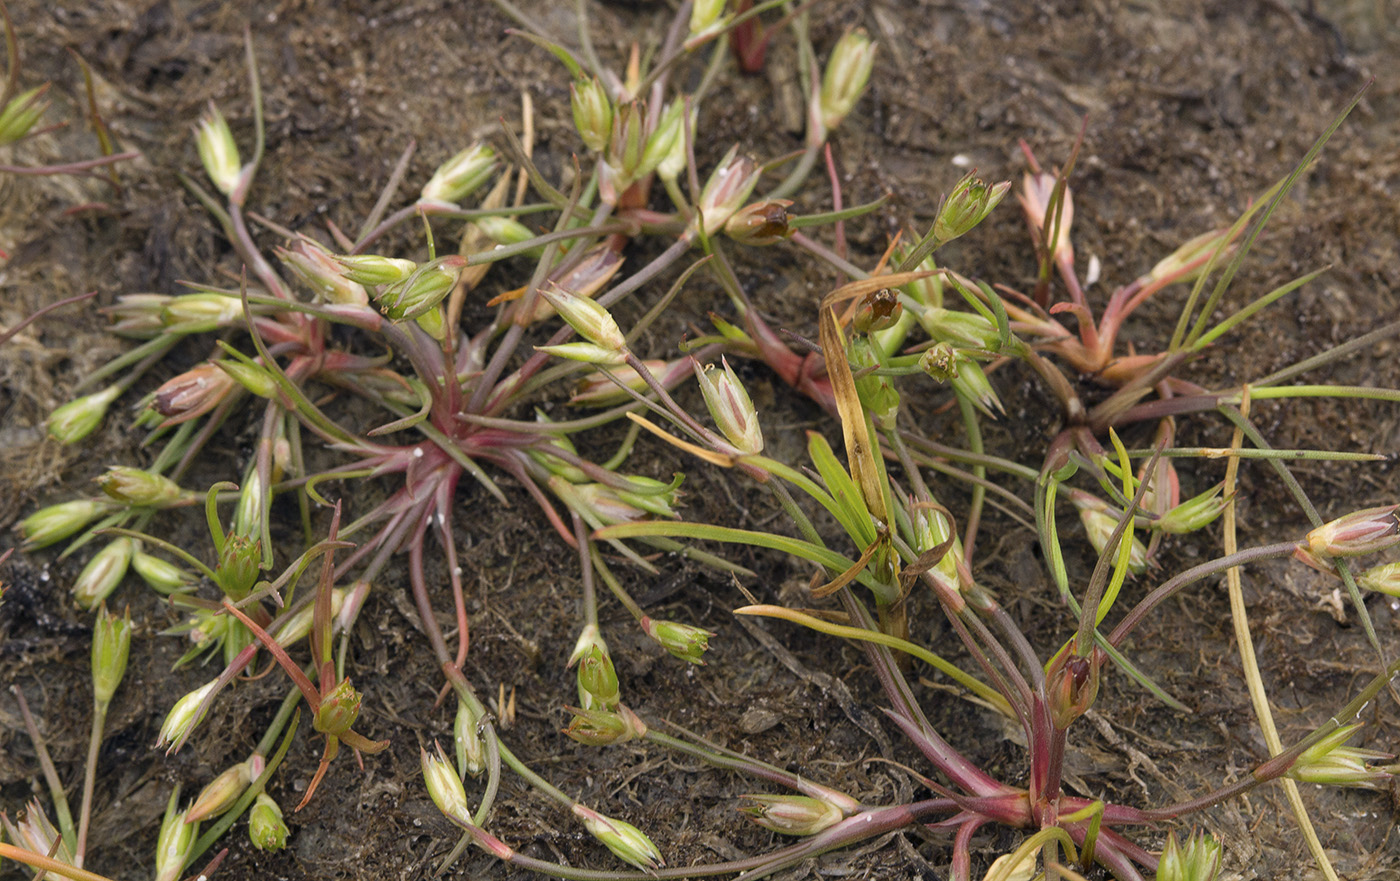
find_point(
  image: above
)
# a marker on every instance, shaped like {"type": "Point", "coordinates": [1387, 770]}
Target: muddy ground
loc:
{"type": "Point", "coordinates": [1190, 112]}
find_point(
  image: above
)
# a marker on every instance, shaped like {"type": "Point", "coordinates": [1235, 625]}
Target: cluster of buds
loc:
{"type": "Point", "coordinates": [792, 814]}
{"type": "Point", "coordinates": [627, 842]}
{"type": "Point", "coordinates": [1331, 763]}
{"type": "Point", "coordinates": [1100, 521]}
{"type": "Point", "coordinates": [638, 143]}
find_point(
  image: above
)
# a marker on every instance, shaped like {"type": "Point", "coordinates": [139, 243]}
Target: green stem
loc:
{"type": "Point", "coordinates": [99, 722]}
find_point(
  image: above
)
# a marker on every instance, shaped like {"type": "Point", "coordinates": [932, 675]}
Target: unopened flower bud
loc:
{"type": "Point", "coordinates": [421, 291]}
{"type": "Point", "coordinates": [792, 814]}
{"type": "Point", "coordinates": [338, 710]}
{"type": "Point", "coordinates": [597, 390]}
{"type": "Point", "coordinates": [878, 310]}
{"type": "Point", "coordinates": [1194, 513]}
{"type": "Point", "coordinates": [1034, 197]}
{"type": "Point", "coordinates": [138, 315]}
{"type": "Point", "coordinates": [625, 840]}
{"type": "Point", "coordinates": [963, 329]}
{"type": "Point", "coordinates": [1331, 763]}
{"type": "Point", "coordinates": [224, 790]}
{"type": "Point", "coordinates": [201, 313]}
{"type": "Point", "coordinates": [444, 784]}
{"type": "Point", "coordinates": [21, 112]}
{"type": "Point", "coordinates": [593, 112]}
{"type": "Point", "coordinates": [601, 727]}
{"type": "Point", "coordinates": [266, 828]}
{"type": "Point", "coordinates": [1187, 262]}
{"type": "Point", "coordinates": [731, 408]}
{"type": "Point", "coordinates": [1023, 869]}
{"type": "Point", "coordinates": [79, 418]}
{"type": "Point", "coordinates": [323, 273]}
{"type": "Point", "coordinates": [456, 178]}
{"type": "Point", "coordinates": [667, 131]}
{"type": "Point", "coordinates": [760, 223]}
{"type": "Point", "coordinates": [706, 16]}
{"type": "Point", "coordinates": [971, 382]}
{"type": "Point", "coordinates": [685, 641]}
{"type": "Point", "coordinates": [139, 488]}
{"type": "Point", "coordinates": [1099, 522]}
{"type": "Point", "coordinates": [111, 645]}
{"type": "Point", "coordinates": [252, 377]}
{"type": "Point", "coordinates": [597, 680]}
{"type": "Point", "coordinates": [56, 522]}
{"type": "Point", "coordinates": [372, 269]}
{"type": "Point", "coordinates": [466, 737]}
{"type": "Point", "coordinates": [592, 321]}
{"type": "Point", "coordinates": [507, 231]}
{"type": "Point", "coordinates": [1382, 579]}
{"type": "Point", "coordinates": [621, 165]}
{"type": "Point", "coordinates": [103, 573]}
{"type": "Point", "coordinates": [177, 837]}
{"type": "Point", "coordinates": [968, 205]}
{"type": "Point", "coordinates": [163, 576]}
{"type": "Point", "coordinates": [1199, 860]}
{"type": "Point", "coordinates": [298, 626]}
{"type": "Point", "coordinates": [184, 716]}
{"type": "Point", "coordinates": [847, 73]}
{"type": "Point", "coordinates": [37, 834]}
{"type": "Point", "coordinates": [587, 353]}
{"type": "Point", "coordinates": [674, 162]}
{"type": "Point", "coordinates": [726, 190]}
{"type": "Point", "coordinates": [192, 393]}
{"type": "Point", "coordinates": [218, 151]}
{"type": "Point", "coordinates": [1356, 534]}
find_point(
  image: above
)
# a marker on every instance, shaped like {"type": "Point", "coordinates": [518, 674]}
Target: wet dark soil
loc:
{"type": "Point", "coordinates": [1190, 112]}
